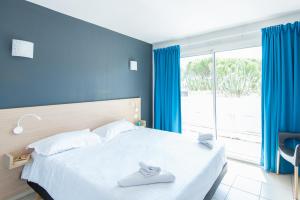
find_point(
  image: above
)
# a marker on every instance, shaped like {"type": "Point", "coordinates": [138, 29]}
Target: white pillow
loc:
{"type": "Point", "coordinates": [65, 141]}
{"type": "Point", "coordinates": [111, 130]}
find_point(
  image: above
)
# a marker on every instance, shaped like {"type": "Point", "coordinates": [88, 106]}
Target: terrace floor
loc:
{"type": "Point", "coordinates": [238, 122]}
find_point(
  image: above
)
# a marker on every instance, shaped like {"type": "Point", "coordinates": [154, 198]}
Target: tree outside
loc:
{"type": "Point", "coordinates": [235, 76]}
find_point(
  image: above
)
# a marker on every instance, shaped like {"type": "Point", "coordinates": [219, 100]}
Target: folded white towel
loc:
{"type": "Point", "coordinates": [208, 144]}
{"type": "Point", "coordinates": [148, 170]}
{"type": "Point", "coordinates": [137, 178]}
{"type": "Point", "coordinates": [206, 136]}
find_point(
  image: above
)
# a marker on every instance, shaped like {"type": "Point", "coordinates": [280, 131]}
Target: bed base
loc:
{"type": "Point", "coordinates": [45, 195]}
{"type": "Point", "coordinates": [40, 191]}
{"type": "Point", "coordinates": [216, 184]}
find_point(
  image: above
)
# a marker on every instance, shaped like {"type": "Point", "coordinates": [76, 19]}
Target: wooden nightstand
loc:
{"type": "Point", "coordinates": [12, 161]}
{"type": "Point", "coordinates": [142, 123]}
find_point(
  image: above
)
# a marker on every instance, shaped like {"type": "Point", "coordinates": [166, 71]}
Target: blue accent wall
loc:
{"type": "Point", "coordinates": [74, 61]}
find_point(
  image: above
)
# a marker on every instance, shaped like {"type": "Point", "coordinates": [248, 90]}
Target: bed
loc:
{"type": "Point", "coordinates": [92, 172]}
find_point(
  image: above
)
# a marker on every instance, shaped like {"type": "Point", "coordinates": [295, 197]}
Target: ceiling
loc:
{"type": "Point", "coordinates": [155, 21]}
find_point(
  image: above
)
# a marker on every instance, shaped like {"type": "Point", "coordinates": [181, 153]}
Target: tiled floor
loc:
{"type": "Point", "coordinates": [248, 182]}
{"type": "Point", "coordinates": [29, 197]}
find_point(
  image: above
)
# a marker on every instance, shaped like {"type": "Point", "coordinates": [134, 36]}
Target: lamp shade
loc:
{"type": "Point", "coordinates": [22, 48]}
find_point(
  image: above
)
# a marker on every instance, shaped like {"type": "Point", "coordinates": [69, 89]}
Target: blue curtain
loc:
{"type": "Point", "coordinates": [167, 102]}
{"type": "Point", "coordinates": [280, 90]}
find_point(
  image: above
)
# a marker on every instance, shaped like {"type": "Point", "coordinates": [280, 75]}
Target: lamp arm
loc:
{"type": "Point", "coordinates": [28, 115]}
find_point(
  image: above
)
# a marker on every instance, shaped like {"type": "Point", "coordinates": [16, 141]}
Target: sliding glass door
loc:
{"type": "Point", "coordinates": [234, 81]}
{"type": "Point", "coordinates": [238, 78]}
{"type": "Point", "coordinates": [196, 94]}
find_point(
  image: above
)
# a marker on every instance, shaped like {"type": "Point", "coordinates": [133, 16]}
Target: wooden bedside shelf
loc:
{"type": "Point", "coordinates": [12, 161]}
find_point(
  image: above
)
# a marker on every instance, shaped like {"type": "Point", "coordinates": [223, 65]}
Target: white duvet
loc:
{"type": "Point", "coordinates": [92, 173]}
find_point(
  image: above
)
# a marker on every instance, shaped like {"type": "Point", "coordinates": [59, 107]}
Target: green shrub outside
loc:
{"type": "Point", "coordinates": [235, 77]}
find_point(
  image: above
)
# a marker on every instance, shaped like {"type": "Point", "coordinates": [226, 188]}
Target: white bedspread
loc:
{"type": "Point", "coordinates": [92, 173]}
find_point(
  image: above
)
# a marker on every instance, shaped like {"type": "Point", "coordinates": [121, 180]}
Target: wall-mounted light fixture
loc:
{"type": "Point", "coordinates": [133, 65]}
{"type": "Point", "coordinates": [136, 110]}
{"type": "Point", "coordinates": [22, 48]}
{"type": "Point", "coordinates": [19, 129]}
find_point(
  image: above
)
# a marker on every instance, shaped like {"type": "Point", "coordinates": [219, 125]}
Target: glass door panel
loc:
{"type": "Point", "coordinates": [196, 94]}
{"type": "Point", "coordinates": [238, 102]}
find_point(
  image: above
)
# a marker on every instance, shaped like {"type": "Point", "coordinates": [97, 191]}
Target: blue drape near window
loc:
{"type": "Point", "coordinates": [167, 102]}
{"type": "Point", "coordinates": [280, 90]}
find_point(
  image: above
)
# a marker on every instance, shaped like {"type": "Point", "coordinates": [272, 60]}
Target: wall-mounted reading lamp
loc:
{"type": "Point", "coordinates": [136, 110]}
{"type": "Point", "coordinates": [19, 129]}
{"type": "Point", "coordinates": [22, 48]}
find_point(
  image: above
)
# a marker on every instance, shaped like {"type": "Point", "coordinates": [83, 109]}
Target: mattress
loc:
{"type": "Point", "coordinates": [93, 172]}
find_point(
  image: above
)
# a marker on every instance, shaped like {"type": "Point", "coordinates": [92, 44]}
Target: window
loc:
{"type": "Point", "coordinates": [238, 102]}
{"type": "Point", "coordinates": [196, 94]}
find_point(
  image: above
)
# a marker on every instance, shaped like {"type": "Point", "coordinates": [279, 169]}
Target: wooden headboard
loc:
{"type": "Point", "coordinates": [55, 119]}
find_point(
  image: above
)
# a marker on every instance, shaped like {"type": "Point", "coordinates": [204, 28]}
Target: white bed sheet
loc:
{"type": "Point", "coordinates": [92, 172]}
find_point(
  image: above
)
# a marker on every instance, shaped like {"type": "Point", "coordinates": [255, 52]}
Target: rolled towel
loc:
{"type": "Point", "coordinates": [206, 136]}
{"type": "Point", "coordinates": [208, 144]}
{"type": "Point", "coordinates": [148, 170]}
{"type": "Point", "coordinates": [137, 178]}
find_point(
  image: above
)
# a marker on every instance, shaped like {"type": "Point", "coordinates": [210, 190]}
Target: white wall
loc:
{"type": "Point", "coordinates": [247, 35]}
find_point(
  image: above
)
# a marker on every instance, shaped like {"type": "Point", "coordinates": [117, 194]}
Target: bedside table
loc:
{"type": "Point", "coordinates": [12, 161]}
{"type": "Point", "coordinates": [141, 123]}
